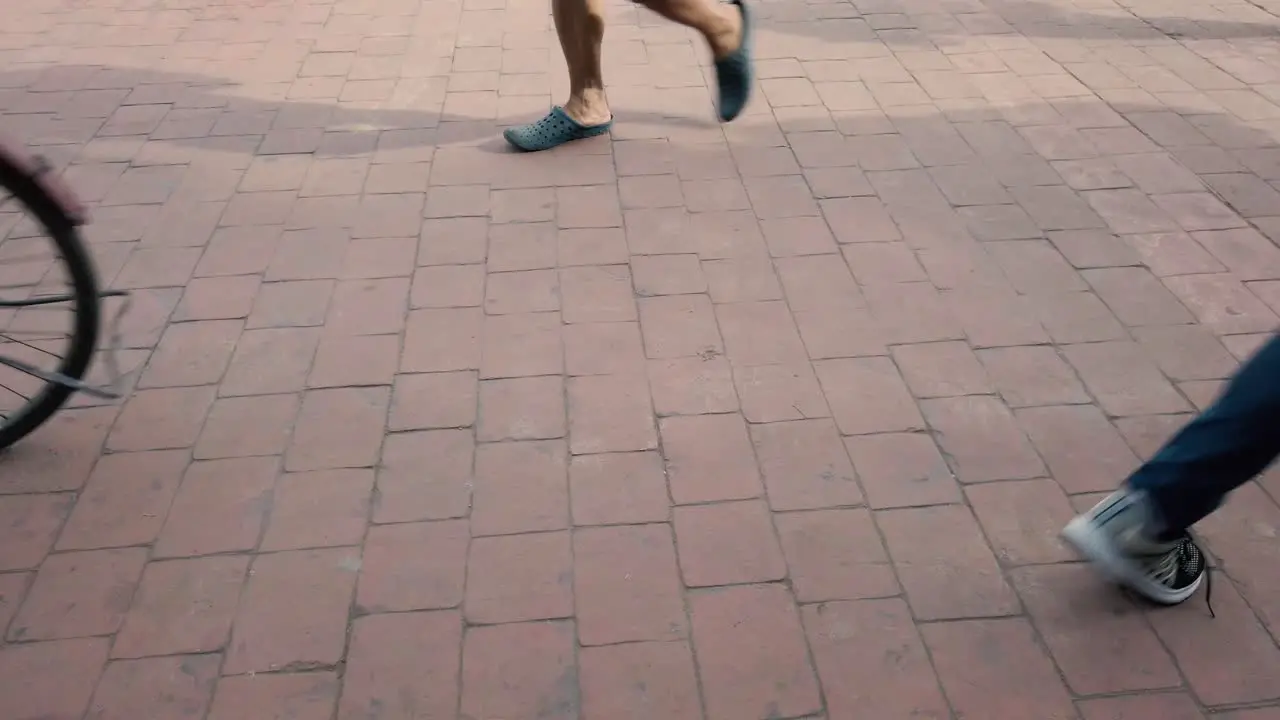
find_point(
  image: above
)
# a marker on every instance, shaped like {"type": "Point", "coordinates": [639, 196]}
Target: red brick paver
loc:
{"type": "Point", "coordinates": [765, 421]}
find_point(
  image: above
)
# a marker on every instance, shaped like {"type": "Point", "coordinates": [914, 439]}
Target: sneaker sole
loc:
{"type": "Point", "coordinates": [1087, 541]}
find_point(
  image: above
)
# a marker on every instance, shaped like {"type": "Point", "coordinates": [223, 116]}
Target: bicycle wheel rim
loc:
{"type": "Point", "coordinates": [18, 193]}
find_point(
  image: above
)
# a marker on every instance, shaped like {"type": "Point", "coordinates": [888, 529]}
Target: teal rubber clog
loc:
{"type": "Point", "coordinates": [735, 75]}
{"type": "Point", "coordinates": [556, 129]}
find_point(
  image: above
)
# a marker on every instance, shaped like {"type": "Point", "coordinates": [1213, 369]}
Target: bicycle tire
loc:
{"type": "Point", "coordinates": [62, 229]}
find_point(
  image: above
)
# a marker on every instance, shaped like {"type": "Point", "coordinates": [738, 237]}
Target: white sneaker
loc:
{"type": "Point", "coordinates": [1111, 537]}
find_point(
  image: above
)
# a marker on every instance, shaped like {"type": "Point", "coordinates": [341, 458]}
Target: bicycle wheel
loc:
{"type": "Point", "coordinates": [47, 285]}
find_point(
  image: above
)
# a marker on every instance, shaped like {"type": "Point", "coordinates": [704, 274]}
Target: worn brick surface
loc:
{"type": "Point", "coordinates": [172, 686]}
{"type": "Point", "coordinates": [305, 696]}
{"type": "Point", "coordinates": [402, 663]}
{"type": "Point", "coordinates": [1007, 683]}
{"type": "Point", "coordinates": [773, 419]}
{"type": "Point", "coordinates": [870, 656]}
{"type": "Point", "coordinates": [1057, 597]}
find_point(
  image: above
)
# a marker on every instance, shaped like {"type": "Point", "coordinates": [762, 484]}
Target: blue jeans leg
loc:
{"type": "Point", "coordinates": [1228, 444]}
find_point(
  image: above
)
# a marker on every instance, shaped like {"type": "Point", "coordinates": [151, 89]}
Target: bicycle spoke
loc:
{"type": "Point", "coordinates": [33, 341]}
{"type": "Point", "coordinates": [35, 303]}
{"type": "Point", "coordinates": [15, 392]}
{"type": "Point", "coordinates": [29, 345]}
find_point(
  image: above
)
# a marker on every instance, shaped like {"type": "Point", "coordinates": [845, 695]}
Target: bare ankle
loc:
{"type": "Point", "coordinates": [727, 37]}
{"type": "Point", "coordinates": [590, 107]}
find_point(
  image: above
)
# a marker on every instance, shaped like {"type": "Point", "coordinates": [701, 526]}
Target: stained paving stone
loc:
{"type": "Point", "coordinates": [520, 669]}
{"type": "Point", "coordinates": [752, 656]}
{"type": "Point", "coordinates": [778, 418]}
{"type": "Point", "coordinates": [402, 663]}
{"type": "Point", "coordinates": [634, 681]}
{"type": "Point", "coordinates": [173, 686]}
{"type": "Point", "coordinates": [51, 679]}
{"type": "Point", "coordinates": [79, 594]}
{"type": "Point", "coordinates": [627, 585]}
{"type": "Point", "coordinates": [304, 696]}
{"type": "Point", "coordinates": [870, 655]}
{"type": "Point", "coordinates": [183, 606]}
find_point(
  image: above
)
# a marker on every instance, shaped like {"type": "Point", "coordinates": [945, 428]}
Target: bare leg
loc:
{"type": "Point", "coordinates": [720, 23]}
{"type": "Point", "coordinates": [580, 25]}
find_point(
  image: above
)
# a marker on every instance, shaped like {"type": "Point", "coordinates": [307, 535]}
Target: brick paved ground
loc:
{"type": "Point", "coordinates": [774, 420]}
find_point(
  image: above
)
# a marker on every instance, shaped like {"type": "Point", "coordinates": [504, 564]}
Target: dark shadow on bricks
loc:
{"type": "Point", "coordinates": [890, 22]}
{"type": "Point", "coordinates": [205, 112]}
{"type": "Point", "coordinates": [202, 113]}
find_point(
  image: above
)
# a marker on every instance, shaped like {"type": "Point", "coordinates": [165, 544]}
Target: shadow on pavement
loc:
{"type": "Point", "coordinates": [193, 110]}
{"type": "Point", "coordinates": [907, 23]}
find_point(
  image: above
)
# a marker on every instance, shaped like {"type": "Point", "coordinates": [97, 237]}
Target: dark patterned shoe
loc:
{"type": "Point", "coordinates": [557, 128]}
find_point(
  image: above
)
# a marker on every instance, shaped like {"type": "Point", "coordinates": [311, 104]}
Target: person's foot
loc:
{"type": "Point", "coordinates": [1115, 536]}
{"type": "Point", "coordinates": [734, 72]}
{"type": "Point", "coordinates": [556, 129]}
{"type": "Point", "coordinates": [590, 109]}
